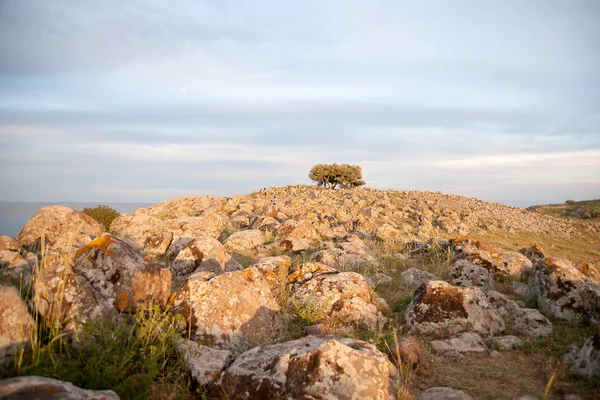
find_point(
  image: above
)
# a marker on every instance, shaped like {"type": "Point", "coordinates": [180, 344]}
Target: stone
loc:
{"type": "Point", "coordinates": [531, 323]}
{"type": "Point", "coordinates": [525, 398]}
{"type": "Point", "coordinates": [274, 270]}
{"type": "Point", "coordinates": [8, 243]}
{"type": "Point", "coordinates": [157, 245]}
{"type": "Point", "coordinates": [416, 277]}
{"type": "Point", "coordinates": [357, 313]}
{"type": "Point", "coordinates": [497, 262]}
{"type": "Point", "coordinates": [204, 363]}
{"type": "Point", "coordinates": [586, 361]}
{"type": "Point", "coordinates": [231, 311]}
{"type": "Point", "coordinates": [38, 388]}
{"type": "Point", "coordinates": [203, 254]}
{"type": "Point", "coordinates": [518, 289]}
{"type": "Point", "coordinates": [465, 342]}
{"type": "Point", "coordinates": [443, 310]}
{"type": "Point", "coordinates": [17, 327]}
{"type": "Point", "coordinates": [309, 368]}
{"type": "Point", "coordinates": [61, 227]}
{"type": "Point", "coordinates": [466, 274]}
{"type": "Point", "coordinates": [507, 342]}
{"type": "Point", "coordinates": [406, 350]}
{"type": "Point", "coordinates": [299, 230]}
{"type": "Point", "coordinates": [563, 292]}
{"type": "Point", "coordinates": [243, 241]}
{"type": "Point", "coordinates": [535, 253]}
{"type": "Point", "coordinates": [345, 254]}
{"type": "Point", "coordinates": [443, 393]}
{"type": "Point", "coordinates": [121, 275]}
{"type": "Point", "coordinates": [381, 279]}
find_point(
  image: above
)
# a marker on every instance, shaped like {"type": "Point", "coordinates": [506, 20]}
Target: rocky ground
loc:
{"type": "Point", "coordinates": [302, 292]}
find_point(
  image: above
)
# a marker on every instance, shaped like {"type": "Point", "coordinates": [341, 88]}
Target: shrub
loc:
{"type": "Point", "coordinates": [103, 214]}
{"type": "Point", "coordinates": [333, 175]}
{"type": "Point", "coordinates": [570, 202]}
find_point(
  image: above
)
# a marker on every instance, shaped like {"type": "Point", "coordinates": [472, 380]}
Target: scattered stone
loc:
{"type": "Point", "coordinates": [311, 367]}
{"type": "Point", "coordinates": [61, 227]}
{"type": "Point", "coordinates": [157, 245]}
{"type": "Point", "coordinates": [381, 279]}
{"type": "Point", "coordinates": [531, 323]}
{"type": "Point", "coordinates": [518, 288]}
{"type": "Point", "coordinates": [17, 327]}
{"type": "Point", "coordinates": [497, 262]}
{"type": "Point", "coordinates": [507, 342]}
{"type": "Point", "coordinates": [416, 277]}
{"type": "Point", "coordinates": [243, 241]}
{"type": "Point", "coordinates": [443, 310]}
{"type": "Point", "coordinates": [466, 274]}
{"type": "Point", "coordinates": [465, 342]}
{"type": "Point", "coordinates": [204, 363]}
{"type": "Point", "coordinates": [36, 387]}
{"type": "Point", "coordinates": [444, 393]}
{"type": "Point", "coordinates": [586, 361]}
{"type": "Point", "coordinates": [203, 254]}
{"type": "Point", "coordinates": [495, 354]}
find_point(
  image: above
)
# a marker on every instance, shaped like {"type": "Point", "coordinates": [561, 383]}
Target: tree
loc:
{"type": "Point", "coordinates": [334, 175]}
{"type": "Point", "coordinates": [102, 214]}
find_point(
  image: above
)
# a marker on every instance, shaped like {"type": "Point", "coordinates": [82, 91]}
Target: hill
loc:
{"type": "Point", "coordinates": [587, 209]}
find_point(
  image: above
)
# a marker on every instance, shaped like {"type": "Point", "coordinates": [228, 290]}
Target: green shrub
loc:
{"type": "Point", "coordinates": [332, 175]}
{"type": "Point", "coordinates": [103, 214]}
{"type": "Point", "coordinates": [570, 202]}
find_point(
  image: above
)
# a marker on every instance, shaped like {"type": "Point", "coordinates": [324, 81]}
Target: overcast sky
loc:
{"type": "Point", "coordinates": [148, 100]}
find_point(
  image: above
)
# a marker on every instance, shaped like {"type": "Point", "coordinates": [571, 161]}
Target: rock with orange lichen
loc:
{"type": "Point", "coordinates": [310, 368]}
{"type": "Point", "coordinates": [17, 327]}
{"type": "Point", "coordinates": [157, 245]}
{"type": "Point", "coordinates": [121, 275]}
{"type": "Point", "coordinates": [443, 310]}
{"type": "Point", "coordinates": [564, 292]}
{"type": "Point", "coordinates": [497, 262]}
{"type": "Point", "coordinates": [232, 311]}
{"type": "Point", "coordinates": [535, 253]}
{"type": "Point", "coordinates": [243, 241]}
{"type": "Point", "coordinates": [61, 228]}
{"type": "Point", "coordinates": [39, 388]}
{"type": "Point", "coordinates": [203, 254]}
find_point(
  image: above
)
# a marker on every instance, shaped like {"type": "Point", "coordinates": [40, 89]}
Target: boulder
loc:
{"type": "Point", "coordinates": [443, 310]}
{"type": "Point", "coordinates": [232, 311]}
{"type": "Point", "coordinates": [465, 342]}
{"type": "Point", "coordinates": [466, 274]}
{"type": "Point", "coordinates": [518, 289]}
{"type": "Point", "coordinates": [564, 292]}
{"type": "Point", "coordinates": [416, 277]}
{"type": "Point", "coordinates": [406, 350]}
{"type": "Point", "coordinates": [497, 262]}
{"type": "Point", "coordinates": [8, 243]}
{"type": "Point", "coordinates": [444, 393]}
{"type": "Point", "coordinates": [586, 361]}
{"type": "Point", "coordinates": [524, 321]}
{"type": "Point", "coordinates": [204, 363]}
{"type": "Point", "coordinates": [203, 254]}
{"type": "Point", "coordinates": [274, 269]}
{"type": "Point", "coordinates": [243, 241]}
{"type": "Point", "coordinates": [38, 388]}
{"type": "Point", "coordinates": [309, 368]}
{"type": "Point", "coordinates": [299, 230]}
{"type": "Point", "coordinates": [17, 327]}
{"type": "Point", "coordinates": [507, 342]}
{"type": "Point", "coordinates": [61, 227]}
{"type": "Point", "coordinates": [358, 313]}
{"type": "Point", "coordinates": [157, 245]}
{"type": "Point", "coordinates": [121, 275]}
{"type": "Point", "coordinates": [346, 253]}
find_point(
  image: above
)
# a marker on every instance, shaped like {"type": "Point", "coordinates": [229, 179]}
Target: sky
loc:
{"type": "Point", "coordinates": [147, 100]}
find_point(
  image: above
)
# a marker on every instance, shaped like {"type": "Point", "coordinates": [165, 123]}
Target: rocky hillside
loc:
{"type": "Point", "coordinates": [302, 292]}
{"type": "Point", "coordinates": [588, 209]}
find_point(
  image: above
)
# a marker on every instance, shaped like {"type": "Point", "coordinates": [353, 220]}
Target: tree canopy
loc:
{"type": "Point", "coordinates": [334, 175]}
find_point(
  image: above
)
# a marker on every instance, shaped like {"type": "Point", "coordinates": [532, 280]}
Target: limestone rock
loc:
{"type": "Point", "coordinates": [416, 277]}
{"type": "Point", "coordinates": [358, 313]}
{"type": "Point", "coordinates": [444, 393]}
{"type": "Point", "coordinates": [466, 274]}
{"type": "Point", "coordinates": [17, 327]}
{"type": "Point", "coordinates": [586, 361]}
{"type": "Point", "coordinates": [465, 342]}
{"type": "Point", "coordinates": [443, 310]}
{"type": "Point", "coordinates": [497, 262]}
{"type": "Point", "coordinates": [408, 350]}
{"type": "Point", "coordinates": [301, 230]}
{"type": "Point", "coordinates": [62, 228]}
{"type": "Point", "coordinates": [232, 311]}
{"type": "Point", "coordinates": [346, 253]}
{"type": "Point", "coordinates": [203, 254]}
{"type": "Point", "coordinates": [157, 245]}
{"type": "Point", "coordinates": [204, 363]}
{"type": "Point", "coordinates": [8, 243]}
{"type": "Point", "coordinates": [507, 342]}
{"type": "Point", "coordinates": [311, 367]}
{"type": "Point", "coordinates": [38, 388]}
{"type": "Point", "coordinates": [243, 241]}
{"type": "Point", "coordinates": [564, 292]}
{"type": "Point", "coordinates": [518, 288]}
{"type": "Point", "coordinates": [121, 275]}
{"type": "Point", "coordinates": [531, 323]}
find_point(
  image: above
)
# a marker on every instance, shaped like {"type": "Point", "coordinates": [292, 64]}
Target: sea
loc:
{"type": "Point", "coordinates": [13, 215]}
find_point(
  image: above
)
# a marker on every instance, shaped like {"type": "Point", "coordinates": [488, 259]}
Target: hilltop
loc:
{"type": "Point", "coordinates": [586, 209]}
{"type": "Point", "coordinates": [301, 291]}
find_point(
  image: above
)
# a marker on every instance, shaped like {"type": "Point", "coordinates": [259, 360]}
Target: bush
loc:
{"type": "Point", "coordinates": [103, 214]}
{"type": "Point", "coordinates": [332, 175]}
{"type": "Point", "coordinates": [570, 202]}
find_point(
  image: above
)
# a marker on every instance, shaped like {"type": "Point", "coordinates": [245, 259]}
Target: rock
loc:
{"type": "Point", "coordinates": [381, 279]}
{"type": "Point", "coordinates": [586, 361]}
{"type": "Point", "coordinates": [443, 310]}
{"type": "Point", "coordinates": [314, 330]}
{"type": "Point", "coordinates": [299, 230]}
{"type": "Point", "coordinates": [345, 254]}
{"type": "Point", "coordinates": [62, 227]}
{"type": "Point", "coordinates": [205, 364]}
{"type": "Point", "coordinates": [495, 354]}
{"type": "Point", "coordinates": [497, 262]}
{"type": "Point", "coordinates": [294, 245]}
{"type": "Point", "coordinates": [388, 233]}
{"type": "Point", "coordinates": [564, 292]}
{"type": "Point", "coordinates": [274, 269]}
{"type": "Point", "coordinates": [232, 311]}
{"type": "Point", "coordinates": [121, 275]}
{"type": "Point", "coordinates": [38, 388]}
{"type": "Point", "coordinates": [203, 254]}
{"type": "Point", "coordinates": [17, 327]}
{"type": "Point", "coordinates": [535, 253]}
{"type": "Point", "coordinates": [243, 241]}
{"type": "Point", "coordinates": [518, 288]}
{"type": "Point", "coordinates": [8, 243]}
{"type": "Point", "coordinates": [589, 270]}
{"type": "Point", "coordinates": [507, 342]}
{"type": "Point", "coordinates": [465, 342]}
{"type": "Point", "coordinates": [466, 274]}
{"type": "Point", "coordinates": [357, 313]}
{"type": "Point", "coordinates": [502, 304]}
{"type": "Point", "coordinates": [158, 245]}
{"type": "Point", "coordinates": [407, 351]}
{"type": "Point", "coordinates": [525, 398]}
{"type": "Point", "coordinates": [531, 323]}
{"type": "Point", "coordinates": [444, 393]}
{"type": "Point", "coordinates": [416, 277]}
{"type": "Point", "coordinates": [311, 367]}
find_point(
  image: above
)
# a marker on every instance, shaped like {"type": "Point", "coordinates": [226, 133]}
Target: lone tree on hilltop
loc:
{"type": "Point", "coordinates": [334, 175]}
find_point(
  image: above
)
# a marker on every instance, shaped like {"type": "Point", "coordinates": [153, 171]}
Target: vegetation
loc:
{"type": "Point", "coordinates": [103, 214]}
{"type": "Point", "coordinates": [588, 209]}
{"type": "Point", "coordinates": [334, 175]}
